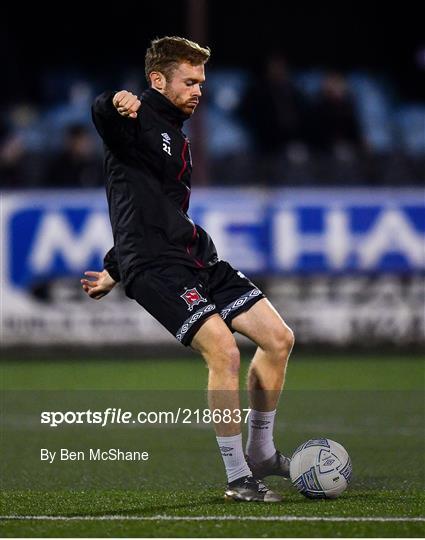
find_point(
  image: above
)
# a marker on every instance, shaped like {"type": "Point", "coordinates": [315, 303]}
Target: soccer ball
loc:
{"type": "Point", "coordinates": [320, 469]}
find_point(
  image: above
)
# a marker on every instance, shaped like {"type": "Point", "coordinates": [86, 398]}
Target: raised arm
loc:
{"type": "Point", "coordinates": [113, 115]}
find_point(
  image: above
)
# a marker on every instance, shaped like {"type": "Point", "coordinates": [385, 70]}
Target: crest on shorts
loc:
{"type": "Point", "coordinates": [192, 297]}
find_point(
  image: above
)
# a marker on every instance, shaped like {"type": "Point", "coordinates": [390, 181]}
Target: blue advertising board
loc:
{"type": "Point", "coordinates": [283, 231]}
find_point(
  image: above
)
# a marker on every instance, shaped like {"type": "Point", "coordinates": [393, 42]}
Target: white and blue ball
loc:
{"type": "Point", "coordinates": [320, 469]}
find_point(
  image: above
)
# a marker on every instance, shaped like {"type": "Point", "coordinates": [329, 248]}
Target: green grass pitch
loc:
{"type": "Point", "coordinates": [374, 406]}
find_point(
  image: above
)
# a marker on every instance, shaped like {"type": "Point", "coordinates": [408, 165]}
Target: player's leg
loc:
{"type": "Point", "coordinates": [217, 345]}
{"type": "Point", "coordinates": [265, 327]}
{"type": "Point", "coordinates": [266, 376]}
{"type": "Point", "coordinates": [177, 297]}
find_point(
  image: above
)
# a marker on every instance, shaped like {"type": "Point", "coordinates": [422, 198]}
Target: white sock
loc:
{"type": "Point", "coordinates": [260, 445]}
{"type": "Point", "coordinates": [233, 457]}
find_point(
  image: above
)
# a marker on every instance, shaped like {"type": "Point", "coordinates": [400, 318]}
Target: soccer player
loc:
{"type": "Point", "coordinates": [170, 266]}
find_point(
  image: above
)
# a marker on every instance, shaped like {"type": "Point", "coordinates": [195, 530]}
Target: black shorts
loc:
{"type": "Point", "coordinates": [181, 298]}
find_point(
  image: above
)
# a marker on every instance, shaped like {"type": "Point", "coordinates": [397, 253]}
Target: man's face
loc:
{"type": "Point", "coordinates": [184, 88]}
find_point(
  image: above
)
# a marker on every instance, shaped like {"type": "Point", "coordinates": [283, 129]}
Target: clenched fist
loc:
{"type": "Point", "coordinates": [126, 103]}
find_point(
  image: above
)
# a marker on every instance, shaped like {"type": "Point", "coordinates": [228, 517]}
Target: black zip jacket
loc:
{"type": "Point", "coordinates": [148, 168]}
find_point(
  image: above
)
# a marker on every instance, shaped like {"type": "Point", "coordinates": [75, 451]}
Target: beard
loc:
{"type": "Point", "coordinates": [184, 106]}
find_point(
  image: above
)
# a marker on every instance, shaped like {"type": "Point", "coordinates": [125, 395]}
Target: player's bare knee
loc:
{"type": "Point", "coordinates": [225, 360]}
{"type": "Point", "coordinates": [282, 340]}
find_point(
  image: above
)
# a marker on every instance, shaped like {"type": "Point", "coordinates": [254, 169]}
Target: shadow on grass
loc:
{"type": "Point", "coordinates": [207, 501]}
{"type": "Point", "coordinates": [154, 509]}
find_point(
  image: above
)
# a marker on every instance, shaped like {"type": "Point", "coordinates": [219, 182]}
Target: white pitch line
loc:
{"type": "Point", "coordinates": [216, 518]}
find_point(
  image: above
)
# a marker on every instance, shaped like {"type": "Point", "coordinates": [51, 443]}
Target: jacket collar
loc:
{"type": "Point", "coordinates": [164, 107]}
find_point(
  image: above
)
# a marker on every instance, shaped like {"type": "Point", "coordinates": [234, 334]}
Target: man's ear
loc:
{"type": "Point", "coordinates": [158, 81]}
